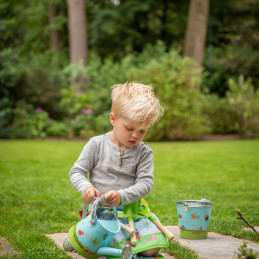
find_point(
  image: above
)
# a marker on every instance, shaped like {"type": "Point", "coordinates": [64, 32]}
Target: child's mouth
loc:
{"type": "Point", "coordinates": [132, 142]}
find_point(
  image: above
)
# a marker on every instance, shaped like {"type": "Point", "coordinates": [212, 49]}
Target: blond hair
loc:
{"type": "Point", "coordinates": [136, 102]}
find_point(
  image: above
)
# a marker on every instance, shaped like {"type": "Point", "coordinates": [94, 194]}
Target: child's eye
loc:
{"type": "Point", "coordinates": [129, 129]}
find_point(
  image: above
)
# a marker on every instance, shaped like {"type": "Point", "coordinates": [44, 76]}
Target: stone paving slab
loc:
{"type": "Point", "coordinates": [215, 246]}
{"type": "Point", "coordinates": [249, 229]}
{"type": "Point", "coordinates": [5, 249]}
{"type": "Point", "coordinates": [59, 238]}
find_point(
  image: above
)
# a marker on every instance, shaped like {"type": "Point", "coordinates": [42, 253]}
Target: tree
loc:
{"type": "Point", "coordinates": [55, 42]}
{"type": "Point", "coordinates": [195, 37]}
{"type": "Point", "coordinates": [77, 36]}
{"type": "Point", "coordinates": [117, 28]}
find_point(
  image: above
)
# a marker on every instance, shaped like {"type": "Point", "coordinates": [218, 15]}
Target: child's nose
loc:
{"type": "Point", "coordinates": [135, 135]}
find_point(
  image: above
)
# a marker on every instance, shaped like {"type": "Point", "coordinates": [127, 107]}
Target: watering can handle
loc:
{"type": "Point", "coordinates": [94, 208]}
{"type": "Point", "coordinates": [95, 205]}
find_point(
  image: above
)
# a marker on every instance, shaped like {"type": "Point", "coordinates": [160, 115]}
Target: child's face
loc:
{"type": "Point", "coordinates": [127, 133]}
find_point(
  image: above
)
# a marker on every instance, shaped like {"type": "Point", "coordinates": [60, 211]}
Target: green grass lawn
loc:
{"type": "Point", "coordinates": [36, 196]}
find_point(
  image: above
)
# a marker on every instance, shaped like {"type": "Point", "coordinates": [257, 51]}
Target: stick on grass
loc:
{"type": "Point", "coordinates": [249, 224]}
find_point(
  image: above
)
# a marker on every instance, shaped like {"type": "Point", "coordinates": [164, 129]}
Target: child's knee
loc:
{"type": "Point", "coordinates": [150, 252]}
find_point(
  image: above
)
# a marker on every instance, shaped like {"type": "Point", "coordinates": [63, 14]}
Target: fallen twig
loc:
{"type": "Point", "coordinates": [250, 225]}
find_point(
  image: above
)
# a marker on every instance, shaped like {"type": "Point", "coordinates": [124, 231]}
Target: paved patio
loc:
{"type": "Point", "coordinates": [215, 246]}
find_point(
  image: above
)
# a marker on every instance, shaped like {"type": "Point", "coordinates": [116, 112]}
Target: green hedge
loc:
{"type": "Point", "coordinates": [189, 110]}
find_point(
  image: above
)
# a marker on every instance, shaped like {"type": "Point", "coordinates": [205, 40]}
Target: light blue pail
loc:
{"type": "Point", "coordinates": [194, 218]}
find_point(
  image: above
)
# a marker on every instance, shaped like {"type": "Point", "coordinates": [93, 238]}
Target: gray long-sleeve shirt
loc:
{"type": "Point", "coordinates": [130, 172]}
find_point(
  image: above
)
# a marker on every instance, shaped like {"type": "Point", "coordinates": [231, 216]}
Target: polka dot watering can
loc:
{"type": "Point", "coordinates": [90, 236]}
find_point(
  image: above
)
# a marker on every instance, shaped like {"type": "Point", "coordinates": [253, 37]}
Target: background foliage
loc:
{"type": "Point", "coordinates": [128, 40]}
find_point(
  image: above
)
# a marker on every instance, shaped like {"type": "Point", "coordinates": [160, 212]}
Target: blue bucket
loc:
{"type": "Point", "coordinates": [194, 218]}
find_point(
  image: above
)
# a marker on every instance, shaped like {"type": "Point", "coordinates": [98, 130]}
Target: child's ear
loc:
{"type": "Point", "coordinates": [112, 119]}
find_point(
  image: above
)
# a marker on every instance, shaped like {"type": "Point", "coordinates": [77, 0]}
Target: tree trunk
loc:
{"type": "Point", "coordinates": [195, 37]}
{"type": "Point", "coordinates": [78, 38]}
{"type": "Point", "coordinates": [55, 36]}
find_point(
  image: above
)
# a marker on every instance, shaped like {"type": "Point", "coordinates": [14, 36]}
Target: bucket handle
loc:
{"type": "Point", "coordinates": [95, 205]}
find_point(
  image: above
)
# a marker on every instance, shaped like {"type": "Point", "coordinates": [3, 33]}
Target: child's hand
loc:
{"type": "Point", "coordinates": [90, 194]}
{"type": "Point", "coordinates": [112, 198]}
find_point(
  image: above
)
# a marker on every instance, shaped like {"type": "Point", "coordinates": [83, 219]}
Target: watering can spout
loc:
{"type": "Point", "coordinates": [124, 253]}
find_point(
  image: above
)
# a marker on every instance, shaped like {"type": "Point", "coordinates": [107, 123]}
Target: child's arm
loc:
{"type": "Point", "coordinates": [83, 165]}
{"type": "Point", "coordinates": [144, 178]}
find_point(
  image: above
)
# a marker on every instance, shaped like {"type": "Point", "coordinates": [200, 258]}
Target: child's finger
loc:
{"type": "Point", "coordinates": [91, 193]}
{"type": "Point", "coordinates": [107, 196]}
{"type": "Point", "coordinates": [97, 193]}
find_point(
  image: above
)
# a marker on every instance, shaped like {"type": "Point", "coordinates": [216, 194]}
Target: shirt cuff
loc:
{"type": "Point", "coordinates": [122, 194]}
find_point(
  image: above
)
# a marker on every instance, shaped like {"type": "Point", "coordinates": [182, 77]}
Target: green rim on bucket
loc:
{"type": "Point", "coordinates": [190, 234]}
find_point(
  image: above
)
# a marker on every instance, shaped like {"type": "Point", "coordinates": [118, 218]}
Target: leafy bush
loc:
{"type": "Point", "coordinates": [176, 82]}
{"type": "Point", "coordinates": [82, 123]}
{"type": "Point", "coordinates": [43, 79]}
{"type": "Point", "coordinates": [102, 76]}
{"type": "Point", "coordinates": [93, 83]}
{"type": "Point", "coordinates": [73, 103]}
{"type": "Point", "coordinates": [10, 72]}
{"type": "Point", "coordinates": [6, 115]}
{"type": "Point", "coordinates": [37, 79]}
{"type": "Point", "coordinates": [230, 61]}
{"type": "Point", "coordinates": [22, 126]}
{"type": "Point", "coordinates": [87, 124]}
{"type": "Point", "coordinates": [220, 116]}
{"type": "Point", "coordinates": [244, 100]}
{"type": "Point", "coordinates": [28, 122]}
{"type": "Point", "coordinates": [57, 129]}
{"type": "Point", "coordinates": [238, 112]}
{"type": "Point", "coordinates": [102, 123]}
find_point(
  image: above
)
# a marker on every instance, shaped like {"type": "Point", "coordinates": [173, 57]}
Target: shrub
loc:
{"type": "Point", "coordinates": [82, 123]}
{"type": "Point", "coordinates": [6, 115]}
{"type": "Point", "coordinates": [43, 80]}
{"type": "Point", "coordinates": [22, 125]}
{"type": "Point", "coordinates": [73, 103]}
{"type": "Point", "coordinates": [176, 82]}
{"type": "Point", "coordinates": [10, 71]}
{"type": "Point", "coordinates": [244, 100]}
{"type": "Point", "coordinates": [238, 112]}
{"type": "Point", "coordinates": [36, 79]}
{"type": "Point", "coordinates": [230, 61]}
{"type": "Point", "coordinates": [28, 122]}
{"type": "Point", "coordinates": [57, 129]}
{"type": "Point", "coordinates": [220, 116]}
{"type": "Point", "coordinates": [102, 123]}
